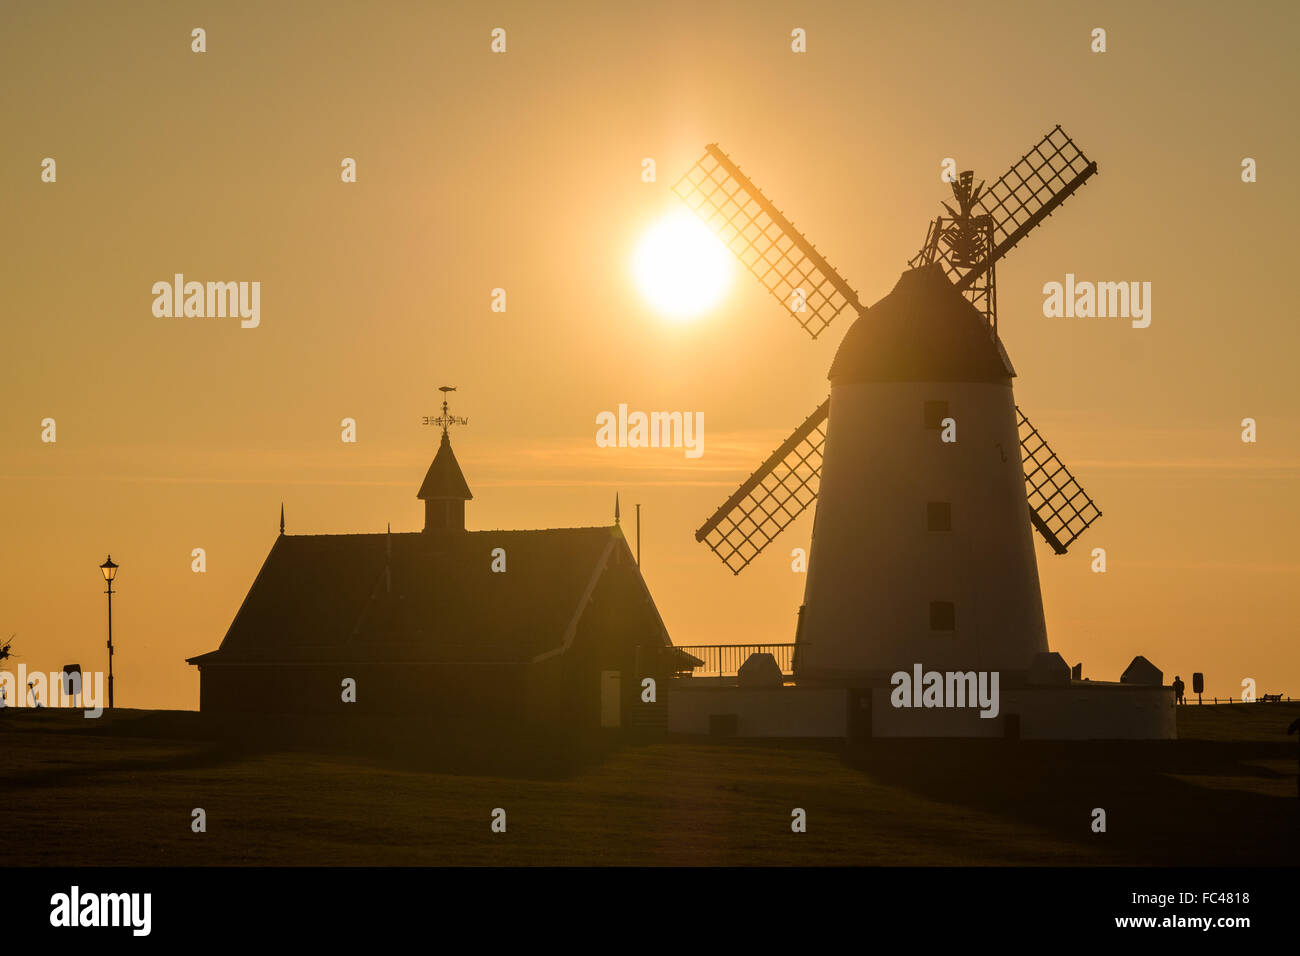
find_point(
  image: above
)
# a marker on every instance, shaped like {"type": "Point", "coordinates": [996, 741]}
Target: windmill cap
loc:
{"type": "Point", "coordinates": [923, 331]}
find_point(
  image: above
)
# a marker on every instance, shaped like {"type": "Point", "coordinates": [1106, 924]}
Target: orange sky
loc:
{"type": "Point", "coordinates": [523, 171]}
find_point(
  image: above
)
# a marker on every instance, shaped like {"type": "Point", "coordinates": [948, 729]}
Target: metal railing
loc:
{"type": "Point", "coordinates": [724, 660]}
{"type": "Point", "coordinates": [1261, 699]}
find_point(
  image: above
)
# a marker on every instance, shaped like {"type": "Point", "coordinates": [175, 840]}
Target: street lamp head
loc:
{"type": "Point", "coordinates": [109, 569]}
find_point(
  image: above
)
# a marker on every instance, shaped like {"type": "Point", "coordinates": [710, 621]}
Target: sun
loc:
{"type": "Point", "coordinates": [681, 268]}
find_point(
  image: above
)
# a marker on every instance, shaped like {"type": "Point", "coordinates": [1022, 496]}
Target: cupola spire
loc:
{"type": "Point", "coordinates": [444, 490]}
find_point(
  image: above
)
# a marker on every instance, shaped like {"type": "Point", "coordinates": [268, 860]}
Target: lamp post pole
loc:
{"type": "Point", "coordinates": [109, 570]}
{"type": "Point", "coordinates": [109, 592]}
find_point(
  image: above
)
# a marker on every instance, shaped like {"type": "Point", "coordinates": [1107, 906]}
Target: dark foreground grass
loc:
{"type": "Point", "coordinates": [120, 790]}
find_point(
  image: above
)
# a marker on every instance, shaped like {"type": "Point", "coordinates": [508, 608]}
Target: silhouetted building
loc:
{"type": "Point", "coordinates": [551, 625]}
{"type": "Point", "coordinates": [959, 588]}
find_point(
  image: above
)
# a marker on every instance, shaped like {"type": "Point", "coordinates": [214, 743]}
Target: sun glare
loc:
{"type": "Point", "coordinates": [681, 268]}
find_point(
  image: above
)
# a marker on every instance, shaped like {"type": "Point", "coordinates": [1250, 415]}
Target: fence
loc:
{"type": "Point", "coordinates": [724, 660]}
{"type": "Point", "coordinates": [1261, 699]}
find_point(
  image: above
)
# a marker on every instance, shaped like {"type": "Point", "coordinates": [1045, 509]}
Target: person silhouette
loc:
{"type": "Point", "coordinates": [1295, 729]}
{"type": "Point", "coordinates": [1179, 686]}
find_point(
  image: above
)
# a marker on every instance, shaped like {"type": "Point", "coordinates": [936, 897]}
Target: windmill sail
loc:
{"type": "Point", "coordinates": [771, 498]}
{"type": "Point", "coordinates": [1058, 506]}
{"type": "Point", "coordinates": [785, 262]}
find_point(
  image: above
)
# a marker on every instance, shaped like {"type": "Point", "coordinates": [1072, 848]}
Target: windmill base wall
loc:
{"type": "Point", "coordinates": [1084, 710]}
{"type": "Point", "coordinates": [695, 706]}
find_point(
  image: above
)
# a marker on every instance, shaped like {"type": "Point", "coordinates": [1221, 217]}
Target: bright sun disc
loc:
{"type": "Point", "coordinates": [681, 267]}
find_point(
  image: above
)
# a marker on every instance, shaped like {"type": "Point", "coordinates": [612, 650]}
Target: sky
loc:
{"type": "Point", "coordinates": [522, 171]}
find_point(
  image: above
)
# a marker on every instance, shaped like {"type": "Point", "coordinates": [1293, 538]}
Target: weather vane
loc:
{"type": "Point", "coordinates": [970, 232]}
{"type": "Point", "coordinates": [445, 420]}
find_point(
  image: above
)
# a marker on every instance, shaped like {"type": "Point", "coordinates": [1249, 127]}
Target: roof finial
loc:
{"type": "Point", "coordinates": [616, 509]}
{"type": "Point", "coordinates": [445, 419]}
{"type": "Point", "coordinates": [281, 517]}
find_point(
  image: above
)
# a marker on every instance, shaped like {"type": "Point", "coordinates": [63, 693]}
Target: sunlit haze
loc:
{"type": "Point", "coordinates": [682, 269]}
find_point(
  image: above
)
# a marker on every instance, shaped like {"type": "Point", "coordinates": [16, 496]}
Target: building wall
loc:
{"type": "Point", "coordinates": [1082, 711]}
{"type": "Point", "coordinates": [446, 689]}
{"type": "Point", "coordinates": [1089, 710]}
{"type": "Point", "coordinates": [1085, 710]}
{"type": "Point", "coordinates": [760, 712]}
{"type": "Point", "coordinates": [874, 567]}
{"type": "Point", "coordinates": [619, 631]}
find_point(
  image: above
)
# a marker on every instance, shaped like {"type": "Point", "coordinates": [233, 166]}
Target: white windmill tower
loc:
{"type": "Point", "coordinates": [922, 548]}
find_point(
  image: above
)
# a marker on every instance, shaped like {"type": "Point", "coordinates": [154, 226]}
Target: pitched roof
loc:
{"type": "Point", "coordinates": [923, 331]}
{"type": "Point", "coordinates": [444, 478]}
{"type": "Point", "coordinates": [341, 598]}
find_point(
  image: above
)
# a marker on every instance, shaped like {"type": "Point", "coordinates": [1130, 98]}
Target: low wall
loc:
{"type": "Point", "coordinates": [790, 711]}
{"type": "Point", "coordinates": [1090, 710]}
{"type": "Point", "coordinates": [1083, 710]}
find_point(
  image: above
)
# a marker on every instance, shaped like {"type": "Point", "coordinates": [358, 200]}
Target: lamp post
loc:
{"type": "Point", "coordinates": [110, 571]}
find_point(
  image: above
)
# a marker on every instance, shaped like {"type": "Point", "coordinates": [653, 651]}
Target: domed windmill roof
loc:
{"type": "Point", "coordinates": [923, 331]}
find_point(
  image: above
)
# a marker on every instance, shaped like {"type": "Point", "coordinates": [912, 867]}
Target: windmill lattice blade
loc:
{"type": "Point", "coordinates": [1058, 506]}
{"type": "Point", "coordinates": [765, 241]}
{"type": "Point", "coordinates": [1027, 193]}
{"type": "Point", "coordinates": [771, 498]}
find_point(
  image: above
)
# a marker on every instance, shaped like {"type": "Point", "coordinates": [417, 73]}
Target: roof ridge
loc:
{"type": "Point", "coordinates": [421, 534]}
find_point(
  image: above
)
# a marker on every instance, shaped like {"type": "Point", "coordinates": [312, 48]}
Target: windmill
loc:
{"type": "Point", "coordinates": [921, 544]}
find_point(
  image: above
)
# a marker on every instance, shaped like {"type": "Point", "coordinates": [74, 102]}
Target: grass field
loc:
{"type": "Point", "coordinates": [120, 790]}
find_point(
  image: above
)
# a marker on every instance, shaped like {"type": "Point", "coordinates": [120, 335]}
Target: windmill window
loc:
{"type": "Point", "coordinates": [938, 516]}
{"type": "Point", "coordinates": [935, 413]}
{"type": "Point", "coordinates": [943, 616]}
